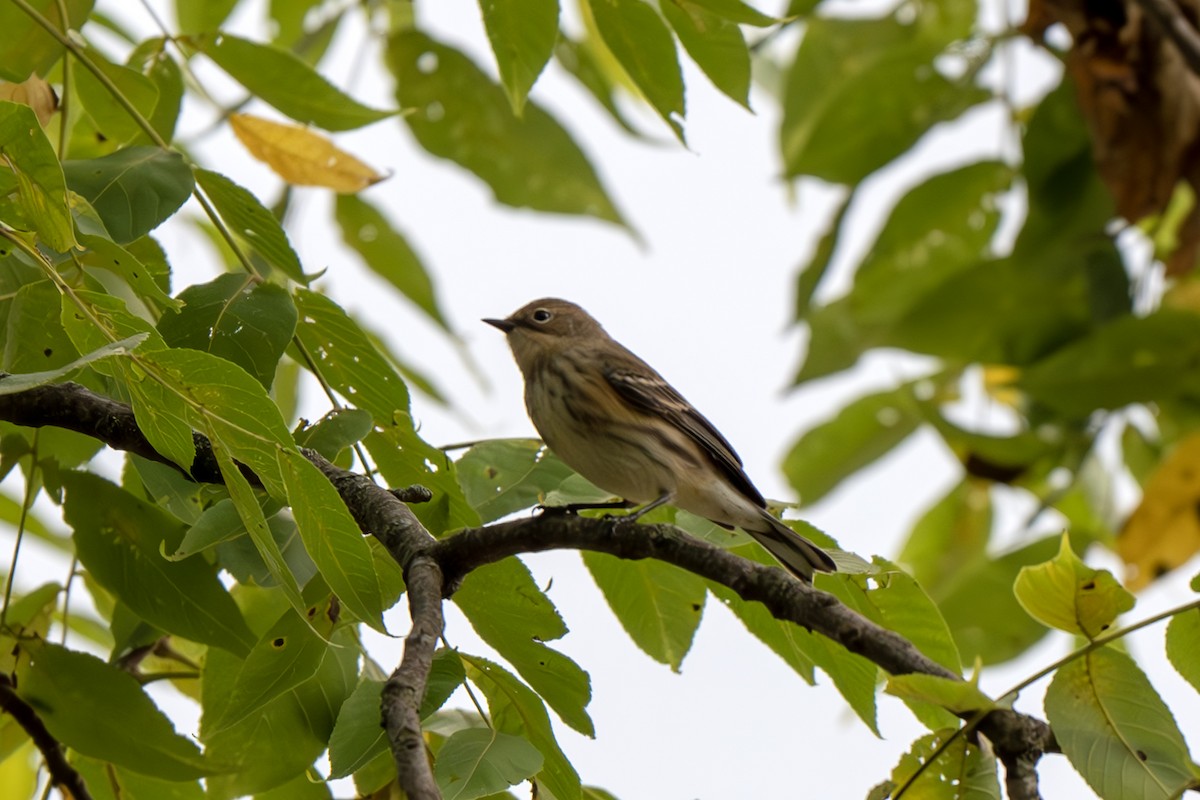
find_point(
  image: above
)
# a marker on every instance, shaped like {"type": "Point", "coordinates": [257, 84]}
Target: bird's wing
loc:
{"type": "Point", "coordinates": [646, 391]}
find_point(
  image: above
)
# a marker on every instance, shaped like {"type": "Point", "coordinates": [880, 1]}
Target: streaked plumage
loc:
{"type": "Point", "coordinates": [609, 416]}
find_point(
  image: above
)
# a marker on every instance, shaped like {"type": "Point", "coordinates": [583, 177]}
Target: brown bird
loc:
{"type": "Point", "coordinates": [610, 417]}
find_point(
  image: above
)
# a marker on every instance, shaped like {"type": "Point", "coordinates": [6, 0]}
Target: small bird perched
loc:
{"type": "Point", "coordinates": [610, 417]}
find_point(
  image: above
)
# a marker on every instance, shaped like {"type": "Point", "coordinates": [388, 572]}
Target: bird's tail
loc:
{"type": "Point", "coordinates": [797, 554]}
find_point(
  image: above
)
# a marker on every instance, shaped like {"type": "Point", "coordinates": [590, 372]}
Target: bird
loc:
{"type": "Point", "coordinates": [612, 418]}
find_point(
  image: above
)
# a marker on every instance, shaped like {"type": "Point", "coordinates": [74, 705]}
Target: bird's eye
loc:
{"type": "Point", "coordinates": [542, 315]}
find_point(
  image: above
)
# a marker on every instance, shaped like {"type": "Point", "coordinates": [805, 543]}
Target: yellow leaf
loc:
{"type": "Point", "coordinates": [33, 92]}
{"type": "Point", "coordinates": [301, 156]}
{"type": "Point", "coordinates": [1163, 532]}
{"type": "Point", "coordinates": [1067, 594]}
{"type": "Point", "coordinates": [999, 381]}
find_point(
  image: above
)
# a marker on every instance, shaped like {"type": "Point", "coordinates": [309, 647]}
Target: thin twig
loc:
{"type": "Point", "coordinates": [62, 774]}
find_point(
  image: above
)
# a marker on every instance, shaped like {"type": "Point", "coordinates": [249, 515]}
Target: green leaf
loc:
{"type": "Point", "coordinates": [1116, 730]}
{"type": "Point", "coordinates": [21, 382]}
{"type": "Point", "coordinates": [35, 177]}
{"type": "Point", "coordinates": [530, 162]}
{"type": "Point", "coordinates": [358, 737]}
{"type": "Point", "coordinates": [287, 655]}
{"type": "Point", "coordinates": [133, 190]}
{"type": "Point", "coordinates": [938, 229]}
{"type": "Point", "coordinates": [861, 433]}
{"type": "Point", "coordinates": [119, 540]}
{"type": "Point", "coordinates": [251, 222]}
{"type": "Point", "coordinates": [283, 81]}
{"type": "Point", "coordinates": [862, 91]}
{"type": "Point", "coordinates": [958, 697]}
{"type": "Point", "coordinates": [111, 118]}
{"type": "Point", "coordinates": [479, 762]}
{"type": "Point", "coordinates": [106, 254]}
{"type": "Point", "coordinates": [101, 711]}
{"type": "Point", "coordinates": [385, 250]}
{"type": "Point", "coordinates": [333, 539]}
{"type": "Point", "coordinates": [236, 317]}
{"type": "Point", "coordinates": [32, 341]}
{"type": "Point", "coordinates": [516, 710]}
{"type": "Point", "coordinates": [812, 273]}
{"type": "Point", "coordinates": [983, 613]}
{"type": "Point", "coordinates": [580, 60]}
{"type": "Point", "coordinates": [788, 641]}
{"type": "Point", "coordinates": [522, 34]}
{"type": "Point", "coordinates": [507, 475]}
{"type": "Point", "coordinates": [1067, 594]}
{"type": "Point", "coordinates": [959, 771]}
{"type": "Point", "coordinates": [445, 676]}
{"type": "Point", "coordinates": [1183, 645]}
{"type": "Point", "coordinates": [218, 523]}
{"type": "Point", "coordinates": [642, 44]}
{"type": "Point", "coordinates": [107, 781]}
{"type": "Point", "coordinates": [509, 612]}
{"type": "Point", "coordinates": [202, 17]}
{"type": "Point", "coordinates": [28, 48]}
{"type": "Point", "coordinates": [737, 11]}
{"type": "Point", "coordinates": [155, 63]}
{"type": "Point", "coordinates": [335, 431]}
{"type": "Point", "coordinates": [657, 604]}
{"type": "Point", "coordinates": [716, 45]}
{"type": "Point", "coordinates": [949, 536]}
{"type": "Point", "coordinates": [1131, 360]}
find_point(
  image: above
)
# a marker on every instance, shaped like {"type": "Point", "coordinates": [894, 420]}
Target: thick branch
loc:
{"type": "Point", "coordinates": [62, 774]}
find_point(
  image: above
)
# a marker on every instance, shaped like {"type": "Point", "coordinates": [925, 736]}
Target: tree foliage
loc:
{"type": "Point", "coordinates": [227, 556]}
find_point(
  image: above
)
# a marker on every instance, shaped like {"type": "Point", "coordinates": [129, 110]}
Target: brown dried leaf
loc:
{"type": "Point", "coordinates": [33, 92]}
{"type": "Point", "coordinates": [1164, 530]}
{"type": "Point", "coordinates": [301, 156]}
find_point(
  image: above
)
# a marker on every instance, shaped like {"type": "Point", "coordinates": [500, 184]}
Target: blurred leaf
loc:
{"type": "Point", "coordinates": [509, 612]}
{"type": "Point", "coordinates": [200, 17]}
{"type": "Point", "coordinates": [100, 711]}
{"type": "Point", "coordinates": [283, 81]}
{"type": "Point", "coordinates": [861, 92]}
{"type": "Point", "coordinates": [133, 190]}
{"type": "Point", "coordinates": [506, 475]}
{"type": "Point", "coordinates": [813, 272]}
{"type": "Point", "coordinates": [333, 539]}
{"type": "Point", "coordinates": [739, 12]}
{"type": "Point", "coordinates": [479, 762]}
{"type": "Point", "coordinates": [34, 92]}
{"type": "Point", "coordinates": [112, 120]}
{"type": "Point", "coordinates": [251, 222]}
{"type": "Point", "coordinates": [386, 251]}
{"type": "Point", "coordinates": [960, 770]}
{"type": "Point", "coordinates": [1102, 703]}
{"type": "Point", "coordinates": [635, 34]}
{"type": "Point", "coordinates": [107, 781]}
{"type": "Point", "coordinates": [658, 605]}
{"type": "Point", "coordinates": [578, 59]}
{"type": "Point", "coordinates": [716, 45]}
{"type": "Point", "coordinates": [1067, 594]}
{"type": "Point", "coordinates": [531, 162]}
{"type": "Point", "coordinates": [522, 34]}
{"type": "Point", "coordinates": [958, 697]}
{"type": "Point", "coordinates": [516, 710]}
{"type": "Point", "coordinates": [287, 655]}
{"type": "Point", "coordinates": [153, 61]}
{"type": "Point", "coordinates": [236, 317]}
{"type": "Point", "coordinates": [951, 535]}
{"type": "Point", "coordinates": [861, 433]}
{"type": "Point", "coordinates": [119, 540]}
{"type": "Point", "coordinates": [1130, 360]}
{"type": "Point", "coordinates": [301, 156]}
{"type": "Point", "coordinates": [1183, 645]}
{"type": "Point", "coordinates": [33, 174]}
{"type": "Point", "coordinates": [1163, 532]}
{"type": "Point", "coordinates": [28, 48]}
{"type": "Point", "coordinates": [940, 228]}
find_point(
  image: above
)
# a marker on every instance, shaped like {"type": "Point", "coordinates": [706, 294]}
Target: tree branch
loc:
{"type": "Point", "coordinates": [434, 568]}
{"type": "Point", "coordinates": [62, 774]}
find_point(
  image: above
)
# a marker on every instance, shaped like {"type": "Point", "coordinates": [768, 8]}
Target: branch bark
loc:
{"type": "Point", "coordinates": [62, 774]}
{"type": "Point", "coordinates": [434, 568]}
{"type": "Point", "coordinates": [1176, 27]}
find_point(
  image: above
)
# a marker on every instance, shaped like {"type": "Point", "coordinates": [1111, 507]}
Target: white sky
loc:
{"type": "Point", "coordinates": [708, 304]}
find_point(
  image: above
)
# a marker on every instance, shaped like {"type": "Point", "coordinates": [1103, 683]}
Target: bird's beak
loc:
{"type": "Point", "coordinates": [502, 324]}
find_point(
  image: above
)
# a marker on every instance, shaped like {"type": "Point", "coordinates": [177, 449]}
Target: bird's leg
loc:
{"type": "Point", "coordinates": [574, 508]}
{"type": "Point", "coordinates": [662, 499]}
